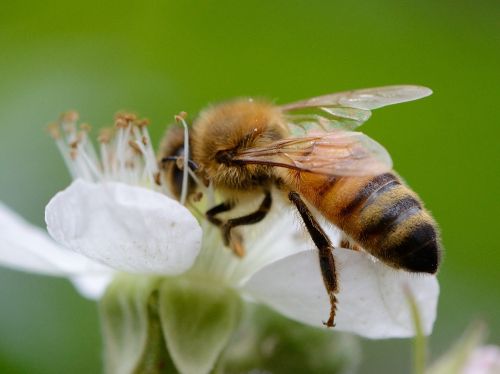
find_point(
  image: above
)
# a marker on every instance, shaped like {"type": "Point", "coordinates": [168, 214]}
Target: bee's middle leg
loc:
{"type": "Point", "coordinates": [325, 247]}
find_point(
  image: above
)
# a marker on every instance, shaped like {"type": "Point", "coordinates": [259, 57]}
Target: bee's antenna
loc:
{"type": "Point", "coordinates": [181, 118]}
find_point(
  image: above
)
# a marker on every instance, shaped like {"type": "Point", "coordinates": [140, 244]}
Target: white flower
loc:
{"type": "Point", "coordinates": [468, 356]}
{"type": "Point", "coordinates": [483, 360]}
{"type": "Point", "coordinates": [115, 218]}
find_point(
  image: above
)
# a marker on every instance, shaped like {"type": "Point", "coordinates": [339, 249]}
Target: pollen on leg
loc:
{"type": "Point", "coordinates": [236, 244]}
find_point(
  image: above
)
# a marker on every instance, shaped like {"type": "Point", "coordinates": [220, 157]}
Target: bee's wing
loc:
{"type": "Point", "coordinates": [350, 109]}
{"type": "Point", "coordinates": [342, 153]}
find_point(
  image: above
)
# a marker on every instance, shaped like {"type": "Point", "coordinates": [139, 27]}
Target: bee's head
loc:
{"type": "Point", "coordinates": [222, 131]}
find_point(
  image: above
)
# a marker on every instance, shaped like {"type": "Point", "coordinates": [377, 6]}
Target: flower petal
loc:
{"type": "Point", "coordinates": [261, 243]}
{"type": "Point", "coordinates": [128, 228]}
{"type": "Point", "coordinates": [93, 286]}
{"type": "Point", "coordinates": [371, 301]}
{"type": "Point", "coordinates": [26, 247]}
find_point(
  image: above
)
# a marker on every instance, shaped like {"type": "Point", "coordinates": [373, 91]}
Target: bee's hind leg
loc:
{"type": "Point", "coordinates": [234, 240]}
{"type": "Point", "coordinates": [325, 247]}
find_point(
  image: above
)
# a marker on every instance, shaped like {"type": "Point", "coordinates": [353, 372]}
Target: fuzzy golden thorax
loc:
{"type": "Point", "coordinates": [223, 130]}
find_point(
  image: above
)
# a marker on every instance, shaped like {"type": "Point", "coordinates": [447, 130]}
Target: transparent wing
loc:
{"type": "Point", "coordinates": [349, 109]}
{"type": "Point", "coordinates": [365, 99]}
{"type": "Point", "coordinates": [342, 153]}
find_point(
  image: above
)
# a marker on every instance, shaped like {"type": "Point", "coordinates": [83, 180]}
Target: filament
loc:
{"type": "Point", "coordinates": [185, 170]}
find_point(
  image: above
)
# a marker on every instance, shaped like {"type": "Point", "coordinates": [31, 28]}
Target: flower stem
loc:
{"type": "Point", "coordinates": [420, 342]}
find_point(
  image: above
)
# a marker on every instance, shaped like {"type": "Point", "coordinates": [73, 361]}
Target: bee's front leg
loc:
{"type": "Point", "coordinates": [221, 208]}
{"type": "Point", "coordinates": [235, 241]}
{"type": "Point", "coordinates": [232, 240]}
{"type": "Point", "coordinates": [325, 247]}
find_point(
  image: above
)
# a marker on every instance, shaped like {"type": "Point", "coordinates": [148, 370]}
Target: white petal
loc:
{"type": "Point", "coordinates": [264, 247]}
{"type": "Point", "coordinates": [26, 247]}
{"type": "Point", "coordinates": [128, 228]}
{"type": "Point", "coordinates": [92, 286]}
{"type": "Point", "coordinates": [371, 301]}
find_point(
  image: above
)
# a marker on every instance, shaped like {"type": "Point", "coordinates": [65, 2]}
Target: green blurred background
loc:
{"type": "Point", "coordinates": [158, 58]}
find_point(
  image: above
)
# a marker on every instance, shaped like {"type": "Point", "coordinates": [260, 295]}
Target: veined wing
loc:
{"type": "Point", "coordinates": [349, 109]}
{"type": "Point", "coordinates": [342, 153]}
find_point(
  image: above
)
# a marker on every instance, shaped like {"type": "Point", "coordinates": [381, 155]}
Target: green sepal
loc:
{"type": "Point", "coordinates": [198, 318]}
{"type": "Point", "coordinates": [133, 340]}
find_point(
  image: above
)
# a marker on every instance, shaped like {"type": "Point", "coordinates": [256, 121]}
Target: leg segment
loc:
{"type": "Point", "coordinates": [212, 212]}
{"type": "Point", "coordinates": [235, 241]}
{"type": "Point", "coordinates": [326, 261]}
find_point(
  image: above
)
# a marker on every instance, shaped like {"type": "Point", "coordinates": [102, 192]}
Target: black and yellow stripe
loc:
{"type": "Point", "coordinates": [380, 213]}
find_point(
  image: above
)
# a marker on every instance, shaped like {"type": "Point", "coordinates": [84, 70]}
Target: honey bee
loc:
{"type": "Point", "coordinates": [309, 151]}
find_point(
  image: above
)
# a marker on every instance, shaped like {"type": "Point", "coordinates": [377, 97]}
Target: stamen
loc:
{"type": "Point", "coordinates": [126, 156]}
{"type": "Point", "coordinates": [150, 156]}
{"type": "Point", "coordinates": [150, 166]}
{"type": "Point", "coordinates": [105, 135]}
{"type": "Point", "coordinates": [142, 122]}
{"type": "Point", "coordinates": [180, 118]}
{"type": "Point", "coordinates": [88, 147]}
{"type": "Point", "coordinates": [85, 127]}
{"type": "Point", "coordinates": [70, 116]}
{"type": "Point", "coordinates": [105, 159]}
{"type": "Point", "coordinates": [121, 123]}
{"type": "Point", "coordinates": [54, 131]}
{"type": "Point", "coordinates": [92, 166]}
{"type": "Point", "coordinates": [127, 117]}
{"type": "Point", "coordinates": [135, 146]}
{"type": "Point", "coordinates": [123, 126]}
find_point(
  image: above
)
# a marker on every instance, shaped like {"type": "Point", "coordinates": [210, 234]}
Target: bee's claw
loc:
{"type": "Point", "coordinates": [329, 323]}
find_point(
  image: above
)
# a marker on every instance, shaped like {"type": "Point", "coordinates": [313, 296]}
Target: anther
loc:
{"type": "Point", "coordinates": [142, 122]}
{"type": "Point", "coordinates": [120, 123]}
{"type": "Point", "coordinates": [69, 116]}
{"type": "Point", "coordinates": [54, 130]}
{"type": "Point", "coordinates": [181, 116]}
{"type": "Point", "coordinates": [85, 127]}
{"type": "Point", "coordinates": [127, 117]}
{"type": "Point", "coordinates": [105, 135]}
{"type": "Point", "coordinates": [135, 146]}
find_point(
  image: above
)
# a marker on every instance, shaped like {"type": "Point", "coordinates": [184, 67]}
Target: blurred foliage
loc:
{"type": "Point", "coordinates": [158, 58]}
{"type": "Point", "coordinates": [268, 343]}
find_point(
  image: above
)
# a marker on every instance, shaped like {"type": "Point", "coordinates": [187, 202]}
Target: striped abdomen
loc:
{"type": "Point", "coordinates": [380, 213]}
